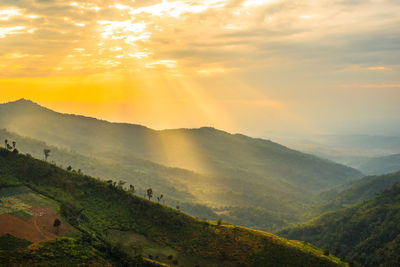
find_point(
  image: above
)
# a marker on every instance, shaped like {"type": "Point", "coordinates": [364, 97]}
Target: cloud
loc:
{"type": "Point", "coordinates": [224, 34]}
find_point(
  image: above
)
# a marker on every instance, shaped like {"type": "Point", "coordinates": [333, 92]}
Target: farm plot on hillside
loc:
{"type": "Point", "coordinates": [30, 216]}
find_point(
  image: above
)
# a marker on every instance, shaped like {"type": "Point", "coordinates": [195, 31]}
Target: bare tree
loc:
{"type": "Point", "coordinates": [5, 144]}
{"type": "Point", "coordinates": [160, 197]}
{"type": "Point", "coordinates": [14, 144]}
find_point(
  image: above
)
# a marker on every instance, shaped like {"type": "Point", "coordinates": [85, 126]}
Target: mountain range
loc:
{"type": "Point", "coordinates": [233, 175]}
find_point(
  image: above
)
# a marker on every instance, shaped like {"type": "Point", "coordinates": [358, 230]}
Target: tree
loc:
{"type": "Point", "coordinates": [46, 152]}
{"type": "Point", "coordinates": [7, 145]}
{"type": "Point", "coordinates": [69, 168]}
{"type": "Point", "coordinates": [57, 224]}
{"type": "Point", "coordinates": [132, 189]}
{"type": "Point", "coordinates": [159, 198]}
{"type": "Point", "coordinates": [121, 184]}
{"type": "Point", "coordinates": [14, 144]}
{"type": "Point", "coordinates": [149, 193]}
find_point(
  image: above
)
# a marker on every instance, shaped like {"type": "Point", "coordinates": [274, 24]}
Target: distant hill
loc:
{"type": "Point", "coordinates": [351, 150]}
{"type": "Point", "coordinates": [205, 150]}
{"type": "Point", "coordinates": [115, 227]}
{"type": "Point", "coordinates": [367, 233]}
{"type": "Point", "coordinates": [380, 165]}
{"type": "Point", "coordinates": [356, 192]}
{"type": "Point", "coordinates": [232, 174]}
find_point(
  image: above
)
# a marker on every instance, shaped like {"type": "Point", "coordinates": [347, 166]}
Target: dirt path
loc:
{"type": "Point", "coordinates": [38, 228]}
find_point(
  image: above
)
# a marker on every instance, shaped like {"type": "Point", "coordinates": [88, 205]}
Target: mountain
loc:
{"type": "Point", "coordinates": [367, 233]}
{"type": "Point", "coordinates": [356, 192]}
{"type": "Point", "coordinates": [142, 174]}
{"type": "Point", "coordinates": [380, 165]}
{"type": "Point", "coordinates": [231, 174]}
{"type": "Point", "coordinates": [103, 224]}
{"type": "Point", "coordinates": [204, 150]}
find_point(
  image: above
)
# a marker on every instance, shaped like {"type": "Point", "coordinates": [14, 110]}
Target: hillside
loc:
{"type": "Point", "coordinates": [229, 174]}
{"type": "Point", "coordinates": [204, 150]}
{"type": "Point", "coordinates": [176, 184]}
{"type": "Point", "coordinates": [356, 192]}
{"type": "Point", "coordinates": [381, 165]}
{"type": "Point", "coordinates": [367, 233]}
{"type": "Point", "coordinates": [114, 224]}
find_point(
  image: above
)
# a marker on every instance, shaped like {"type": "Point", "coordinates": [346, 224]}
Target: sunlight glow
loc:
{"type": "Point", "coordinates": [4, 31]}
{"type": "Point", "coordinates": [206, 49]}
{"type": "Point", "coordinates": [139, 55]}
{"type": "Point", "coordinates": [211, 71]}
{"type": "Point", "coordinates": [167, 63]}
{"type": "Point", "coordinates": [177, 8]}
{"type": "Point", "coordinates": [256, 3]}
{"type": "Point", "coordinates": [6, 14]}
{"type": "Point", "coordinates": [124, 30]}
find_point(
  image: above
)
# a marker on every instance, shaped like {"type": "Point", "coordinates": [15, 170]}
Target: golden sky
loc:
{"type": "Point", "coordinates": [251, 66]}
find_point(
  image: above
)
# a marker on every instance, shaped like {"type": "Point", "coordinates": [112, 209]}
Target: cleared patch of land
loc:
{"type": "Point", "coordinates": [28, 215]}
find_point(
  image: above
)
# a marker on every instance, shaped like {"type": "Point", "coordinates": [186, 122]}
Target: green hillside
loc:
{"type": "Point", "coordinates": [103, 213]}
{"type": "Point", "coordinates": [175, 185]}
{"type": "Point", "coordinates": [356, 192]}
{"type": "Point", "coordinates": [367, 233]}
{"type": "Point", "coordinates": [208, 172]}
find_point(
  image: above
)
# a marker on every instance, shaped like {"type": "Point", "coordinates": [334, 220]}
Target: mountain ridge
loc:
{"type": "Point", "coordinates": [237, 173]}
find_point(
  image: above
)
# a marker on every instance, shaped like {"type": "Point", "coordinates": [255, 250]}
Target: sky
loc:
{"type": "Point", "coordinates": [259, 67]}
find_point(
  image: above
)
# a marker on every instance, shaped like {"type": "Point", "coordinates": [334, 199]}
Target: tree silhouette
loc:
{"type": "Point", "coordinates": [132, 189]}
{"type": "Point", "coordinates": [121, 184]}
{"type": "Point", "coordinates": [6, 144]}
{"type": "Point", "coordinates": [14, 144]}
{"type": "Point", "coordinates": [149, 193]}
{"type": "Point", "coordinates": [46, 152]}
{"type": "Point", "coordinates": [160, 197]}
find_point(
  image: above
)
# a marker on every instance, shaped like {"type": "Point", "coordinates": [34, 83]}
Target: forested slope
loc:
{"type": "Point", "coordinates": [367, 233]}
